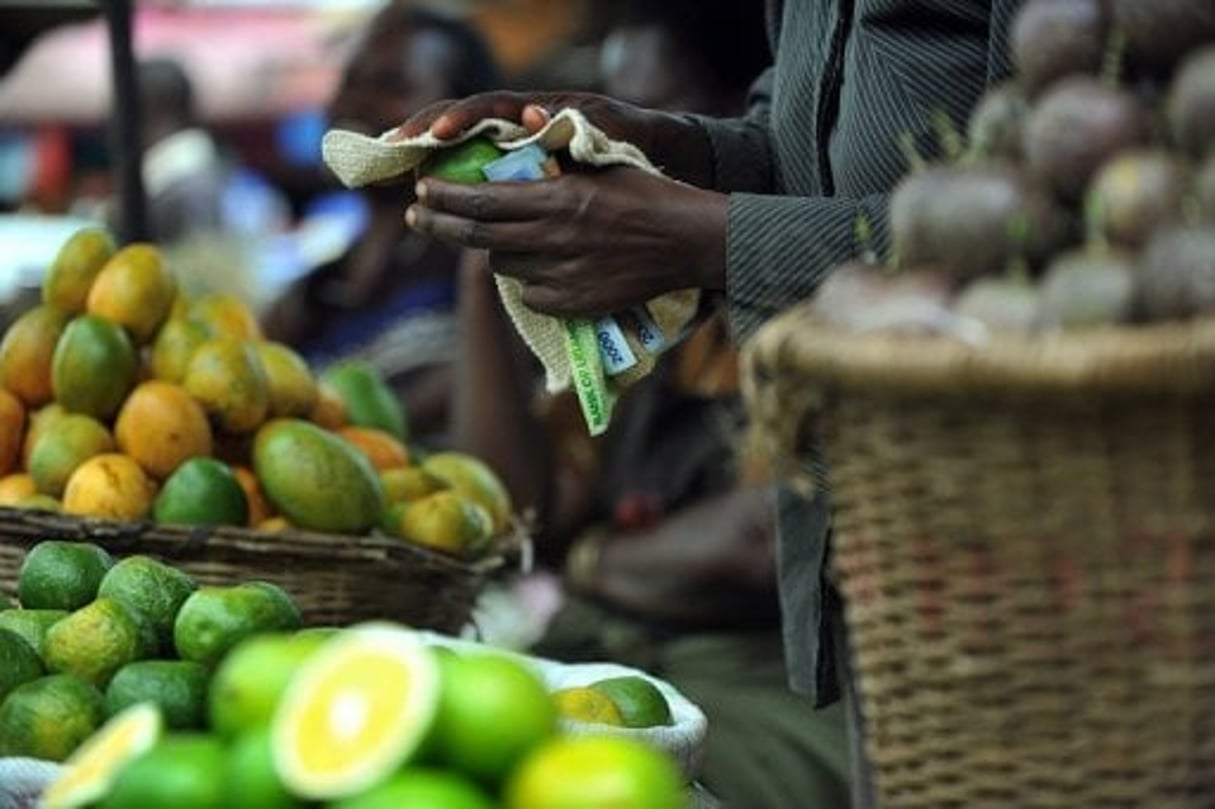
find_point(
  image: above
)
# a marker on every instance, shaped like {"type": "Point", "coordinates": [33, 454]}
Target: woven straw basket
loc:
{"type": "Point", "coordinates": [1025, 541]}
{"type": "Point", "coordinates": [335, 580]}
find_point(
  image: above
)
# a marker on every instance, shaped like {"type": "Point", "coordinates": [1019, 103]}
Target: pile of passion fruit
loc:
{"type": "Point", "coordinates": [1080, 195]}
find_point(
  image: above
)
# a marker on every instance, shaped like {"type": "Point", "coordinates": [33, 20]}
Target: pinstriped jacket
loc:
{"type": "Point", "coordinates": [818, 147]}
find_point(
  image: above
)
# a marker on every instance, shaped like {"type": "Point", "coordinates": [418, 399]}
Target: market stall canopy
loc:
{"type": "Point", "coordinates": [246, 62]}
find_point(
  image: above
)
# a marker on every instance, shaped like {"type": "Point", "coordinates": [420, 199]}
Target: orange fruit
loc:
{"type": "Point", "coordinates": [406, 483]}
{"type": "Point", "coordinates": [161, 426]}
{"type": "Point", "coordinates": [26, 352]}
{"type": "Point", "coordinates": [381, 447]}
{"type": "Point", "coordinates": [226, 376]}
{"type": "Point", "coordinates": [63, 446]}
{"type": "Point", "coordinates": [68, 280]}
{"type": "Point", "coordinates": [111, 485]}
{"type": "Point", "coordinates": [16, 487]}
{"type": "Point", "coordinates": [330, 408]}
{"type": "Point", "coordinates": [94, 366]}
{"type": "Point", "coordinates": [38, 421]}
{"type": "Point", "coordinates": [174, 345]}
{"type": "Point", "coordinates": [292, 385]}
{"type": "Point", "coordinates": [225, 314]}
{"type": "Point", "coordinates": [259, 507]}
{"type": "Point", "coordinates": [135, 289]}
{"type": "Point", "coordinates": [12, 430]}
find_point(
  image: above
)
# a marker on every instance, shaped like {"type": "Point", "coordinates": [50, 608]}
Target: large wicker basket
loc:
{"type": "Point", "coordinates": [1025, 541]}
{"type": "Point", "coordinates": [335, 580]}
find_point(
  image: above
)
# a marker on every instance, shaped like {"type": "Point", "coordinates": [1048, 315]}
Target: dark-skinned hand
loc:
{"type": "Point", "coordinates": [586, 243]}
{"type": "Point", "coordinates": [670, 141]}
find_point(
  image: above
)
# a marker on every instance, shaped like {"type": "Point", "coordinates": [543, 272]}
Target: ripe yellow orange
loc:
{"type": "Point", "coordinates": [111, 485]}
{"type": "Point", "coordinates": [330, 408]}
{"type": "Point", "coordinates": [225, 314]}
{"type": "Point", "coordinates": [135, 289]}
{"type": "Point", "coordinates": [259, 506]}
{"type": "Point", "coordinates": [26, 352]}
{"type": "Point", "coordinates": [12, 430]}
{"type": "Point", "coordinates": [226, 376]}
{"type": "Point", "coordinates": [381, 447]}
{"type": "Point", "coordinates": [174, 345]}
{"type": "Point", "coordinates": [16, 487]}
{"type": "Point", "coordinates": [292, 386]}
{"type": "Point", "coordinates": [161, 426]}
{"type": "Point", "coordinates": [70, 277]}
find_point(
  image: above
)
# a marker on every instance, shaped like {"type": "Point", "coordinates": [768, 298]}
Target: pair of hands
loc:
{"type": "Point", "coordinates": [585, 243]}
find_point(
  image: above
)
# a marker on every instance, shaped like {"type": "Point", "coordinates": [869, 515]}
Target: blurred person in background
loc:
{"type": "Point", "coordinates": [390, 299]}
{"type": "Point", "coordinates": [663, 531]}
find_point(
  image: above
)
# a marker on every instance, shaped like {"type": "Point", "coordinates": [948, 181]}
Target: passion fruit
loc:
{"type": "Point", "coordinates": [1076, 126]}
{"type": "Point", "coordinates": [1177, 273]}
{"type": "Point", "coordinates": [1005, 304]}
{"type": "Point", "coordinates": [1088, 287]}
{"type": "Point", "coordinates": [1051, 39]}
{"type": "Point", "coordinates": [1159, 33]}
{"type": "Point", "coordinates": [1135, 193]}
{"type": "Point", "coordinates": [996, 129]}
{"type": "Point", "coordinates": [1191, 103]}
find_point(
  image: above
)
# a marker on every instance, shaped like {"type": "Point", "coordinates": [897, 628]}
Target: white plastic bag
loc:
{"type": "Point", "coordinates": [22, 780]}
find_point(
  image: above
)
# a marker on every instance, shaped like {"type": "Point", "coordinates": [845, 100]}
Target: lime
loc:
{"type": "Point", "coordinates": [151, 588]}
{"type": "Point", "coordinates": [251, 680]}
{"type": "Point", "coordinates": [90, 771]}
{"type": "Point", "coordinates": [595, 772]}
{"type": "Point", "coordinates": [184, 771]}
{"type": "Point", "coordinates": [94, 367]}
{"type": "Point", "coordinates": [422, 789]}
{"type": "Point", "coordinates": [356, 711]}
{"type": "Point", "coordinates": [252, 780]}
{"type": "Point", "coordinates": [202, 491]}
{"type": "Point", "coordinates": [214, 619]}
{"type": "Point", "coordinates": [61, 575]}
{"type": "Point", "coordinates": [369, 401]}
{"type": "Point", "coordinates": [19, 662]}
{"type": "Point", "coordinates": [31, 624]}
{"type": "Point", "coordinates": [462, 162]}
{"type": "Point", "coordinates": [48, 718]}
{"type": "Point", "coordinates": [177, 687]}
{"type": "Point", "coordinates": [97, 640]}
{"type": "Point", "coordinates": [492, 712]}
{"type": "Point", "coordinates": [640, 702]}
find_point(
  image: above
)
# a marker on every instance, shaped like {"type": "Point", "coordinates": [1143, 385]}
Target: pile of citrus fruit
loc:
{"type": "Point", "coordinates": [93, 636]}
{"type": "Point", "coordinates": [122, 397]}
{"type": "Point", "coordinates": [368, 717]}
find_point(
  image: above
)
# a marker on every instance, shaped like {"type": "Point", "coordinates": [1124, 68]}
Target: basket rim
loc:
{"type": "Point", "coordinates": [187, 540]}
{"type": "Point", "coordinates": [1175, 358]}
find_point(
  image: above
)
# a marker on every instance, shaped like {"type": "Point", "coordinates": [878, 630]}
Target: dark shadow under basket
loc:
{"type": "Point", "coordinates": [1025, 541]}
{"type": "Point", "coordinates": [335, 580]}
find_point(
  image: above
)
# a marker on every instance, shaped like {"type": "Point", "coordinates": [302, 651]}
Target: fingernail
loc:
{"type": "Point", "coordinates": [419, 191]}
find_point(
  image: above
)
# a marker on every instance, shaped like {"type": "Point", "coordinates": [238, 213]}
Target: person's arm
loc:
{"type": "Point", "coordinates": [711, 562]}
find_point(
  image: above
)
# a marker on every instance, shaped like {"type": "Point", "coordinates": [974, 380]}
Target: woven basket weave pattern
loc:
{"type": "Point", "coordinates": [1028, 568]}
{"type": "Point", "coordinates": [335, 580]}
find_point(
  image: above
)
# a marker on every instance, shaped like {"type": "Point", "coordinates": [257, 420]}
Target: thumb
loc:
{"type": "Point", "coordinates": [535, 118]}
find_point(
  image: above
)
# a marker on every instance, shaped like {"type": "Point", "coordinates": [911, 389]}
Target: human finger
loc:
{"type": "Point", "coordinates": [475, 233]}
{"type": "Point", "coordinates": [500, 201]}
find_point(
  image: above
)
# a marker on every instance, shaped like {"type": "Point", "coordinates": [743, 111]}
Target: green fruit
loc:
{"type": "Point", "coordinates": [639, 701]}
{"type": "Point", "coordinates": [369, 401]}
{"type": "Point", "coordinates": [68, 279]}
{"type": "Point", "coordinates": [250, 681]}
{"type": "Point", "coordinates": [492, 712]}
{"type": "Point", "coordinates": [253, 782]}
{"type": "Point", "coordinates": [62, 447]}
{"type": "Point", "coordinates": [153, 589]}
{"type": "Point", "coordinates": [49, 717]}
{"type": "Point", "coordinates": [97, 640]}
{"type": "Point", "coordinates": [421, 788]}
{"type": "Point", "coordinates": [177, 687]}
{"type": "Point", "coordinates": [461, 163]}
{"type": "Point", "coordinates": [202, 491]}
{"type": "Point", "coordinates": [214, 619]}
{"type": "Point", "coordinates": [19, 662]}
{"type": "Point", "coordinates": [31, 624]}
{"type": "Point", "coordinates": [61, 575]}
{"type": "Point", "coordinates": [183, 771]}
{"type": "Point", "coordinates": [315, 479]}
{"type": "Point", "coordinates": [94, 367]}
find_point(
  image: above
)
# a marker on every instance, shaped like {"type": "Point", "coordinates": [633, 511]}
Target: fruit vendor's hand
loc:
{"type": "Point", "coordinates": [670, 141]}
{"type": "Point", "coordinates": [585, 243]}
